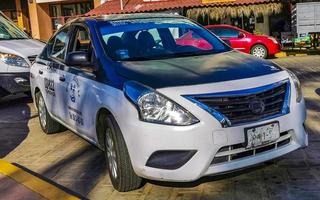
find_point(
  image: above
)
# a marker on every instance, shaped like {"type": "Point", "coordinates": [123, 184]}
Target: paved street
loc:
{"type": "Point", "coordinates": [69, 161]}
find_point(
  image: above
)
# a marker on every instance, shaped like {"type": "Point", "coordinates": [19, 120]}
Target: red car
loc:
{"type": "Point", "coordinates": [192, 39]}
{"type": "Point", "coordinates": [258, 45]}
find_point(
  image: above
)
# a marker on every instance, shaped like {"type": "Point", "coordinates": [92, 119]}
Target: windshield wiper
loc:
{"type": "Point", "coordinates": [147, 58]}
{"type": "Point", "coordinates": [186, 54]}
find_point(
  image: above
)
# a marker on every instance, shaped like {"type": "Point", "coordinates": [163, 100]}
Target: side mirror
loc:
{"type": "Point", "coordinates": [241, 35]}
{"type": "Point", "coordinates": [78, 58]}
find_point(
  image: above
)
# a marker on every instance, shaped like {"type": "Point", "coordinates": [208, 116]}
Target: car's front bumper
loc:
{"type": "Point", "coordinates": [206, 138]}
{"type": "Point", "coordinates": [273, 48]}
{"type": "Point", "coordinates": [207, 142]}
{"type": "Point", "coordinates": [13, 83]}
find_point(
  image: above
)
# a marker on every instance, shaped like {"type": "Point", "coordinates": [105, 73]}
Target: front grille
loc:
{"type": "Point", "coordinates": [236, 108]}
{"type": "Point", "coordinates": [32, 59]}
{"type": "Point", "coordinates": [238, 151]}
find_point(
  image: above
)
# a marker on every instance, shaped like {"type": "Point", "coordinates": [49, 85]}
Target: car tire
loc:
{"type": "Point", "coordinates": [259, 51]}
{"type": "Point", "coordinates": [48, 124]}
{"type": "Point", "coordinates": [120, 169]}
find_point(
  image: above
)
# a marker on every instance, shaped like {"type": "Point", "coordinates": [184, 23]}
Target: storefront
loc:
{"type": "Point", "coordinates": [60, 13]}
{"type": "Point", "coordinates": [17, 11]}
{"type": "Point", "coordinates": [41, 18]}
{"type": "Point", "coordinates": [256, 16]}
{"type": "Point", "coordinates": [49, 15]}
{"type": "Point", "coordinates": [269, 18]}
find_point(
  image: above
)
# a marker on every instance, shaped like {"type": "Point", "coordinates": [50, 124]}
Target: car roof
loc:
{"type": "Point", "coordinates": [221, 26]}
{"type": "Point", "coordinates": [134, 16]}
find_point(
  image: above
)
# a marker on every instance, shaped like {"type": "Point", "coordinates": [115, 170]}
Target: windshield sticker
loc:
{"type": "Point", "coordinates": [49, 86]}
{"type": "Point", "coordinates": [123, 53]}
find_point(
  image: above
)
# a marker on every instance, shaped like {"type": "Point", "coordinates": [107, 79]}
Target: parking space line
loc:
{"type": "Point", "coordinates": [34, 183]}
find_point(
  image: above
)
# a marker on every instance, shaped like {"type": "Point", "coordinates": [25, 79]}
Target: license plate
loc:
{"type": "Point", "coordinates": [261, 135]}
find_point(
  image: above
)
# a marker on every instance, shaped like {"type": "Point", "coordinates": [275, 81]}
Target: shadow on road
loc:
{"type": "Point", "coordinates": [49, 181]}
{"type": "Point", "coordinates": [213, 178]}
{"type": "Point", "coordinates": [79, 171]}
{"type": "Point", "coordinates": [14, 116]}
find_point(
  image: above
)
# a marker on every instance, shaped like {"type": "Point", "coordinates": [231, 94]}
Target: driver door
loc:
{"type": "Point", "coordinates": [236, 38]}
{"type": "Point", "coordinates": [80, 83]}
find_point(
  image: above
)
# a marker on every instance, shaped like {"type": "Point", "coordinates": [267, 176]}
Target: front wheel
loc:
{"type": "Point", "coordinates": [259, 51]}
{"type": "Point", "coordinates": [121, 173]}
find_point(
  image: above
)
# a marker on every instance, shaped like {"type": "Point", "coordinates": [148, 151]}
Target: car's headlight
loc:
{"type": "Point", "coordinates": [156, 108]}
{"type": "Point", "coordinates": [13, 60]}
{"type": "Point", "coordinates": [297, 85]}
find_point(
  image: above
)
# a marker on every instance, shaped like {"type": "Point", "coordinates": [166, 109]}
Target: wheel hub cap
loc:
{"type": "Point", "coordinates": [42, 112]}
{"type": "Point", "coordinates": [259, 52]}
{"type": "Point", "coordinates": [111, 155]}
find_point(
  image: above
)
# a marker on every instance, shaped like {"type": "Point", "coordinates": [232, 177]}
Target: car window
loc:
{"type": "Point", "coordinates": [150, 39]}
{"type": "Point", "coordinates": [81, 41]}
{"type": "Point", "coordinates": [216, 31]}
{"type": "Point", "coordinates": [58, 45]}
{"type": "Point", "coordinates": [225, 32]}
{"type": "Point", "coordinates": [125, 44]}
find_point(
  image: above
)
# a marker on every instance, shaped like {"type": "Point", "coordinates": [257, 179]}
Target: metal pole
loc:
{"type": "Point", "coordinates": [121, 4]}
{"type": "Point", "coordinates": [242, 22]}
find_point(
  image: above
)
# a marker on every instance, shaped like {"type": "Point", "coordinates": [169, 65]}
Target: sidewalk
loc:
{"type": "Point", "coordinates": [297, 52]}
{"type": "Point", "coordinates": [17, 184]}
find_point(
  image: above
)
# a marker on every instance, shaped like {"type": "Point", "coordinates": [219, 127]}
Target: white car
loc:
{"type": "Point", "coordinates": [17, 52]}
{"type": "Point", "coordinates": [162, 108]}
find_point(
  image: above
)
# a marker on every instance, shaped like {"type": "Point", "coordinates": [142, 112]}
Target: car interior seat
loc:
{"type": "Point", "coordinates": [114, 44]}
{"type": "Point", "coordinates": [146, 42]}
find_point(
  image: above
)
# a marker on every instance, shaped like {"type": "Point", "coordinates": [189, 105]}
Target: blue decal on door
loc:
{"type": "Point", "coordinates": [74, 89]}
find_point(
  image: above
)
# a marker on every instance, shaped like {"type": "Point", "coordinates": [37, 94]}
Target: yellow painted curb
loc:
{"type": "Point", "coordinates": [34, 183]}
{"type": "Point", "coordinates": [281, 55]}
{"type": "Point", "coordinates": [301, 54]}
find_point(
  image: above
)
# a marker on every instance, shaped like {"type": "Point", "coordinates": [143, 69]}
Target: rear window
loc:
{"type": "Point", "coordinates": [225, 32]}
{"type": "Point", "coordinates": [150, 39]}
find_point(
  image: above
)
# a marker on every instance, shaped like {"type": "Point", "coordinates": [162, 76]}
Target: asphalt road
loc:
{"type": "Point", "coordinates": [69, 161]}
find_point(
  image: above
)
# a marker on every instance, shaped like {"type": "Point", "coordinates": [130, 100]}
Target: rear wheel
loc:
{"type": "Point", "coordinates": [120, 169]}
{"type": "Point", "coordinates": [259, 51]}
{"type": "Point", "coordinates": [48, 125]}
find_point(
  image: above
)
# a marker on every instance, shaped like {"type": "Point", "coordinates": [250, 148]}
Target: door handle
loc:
{"type": "Point", "coordinates": [40, 72]}
{"type": "Point", "coordinates": [62, 78]}
{"type": "Point", "coordinates": [50, 65]}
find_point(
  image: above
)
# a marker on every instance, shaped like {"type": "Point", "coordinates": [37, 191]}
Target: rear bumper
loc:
{"type": "Point", "coordinates": [13, 83]}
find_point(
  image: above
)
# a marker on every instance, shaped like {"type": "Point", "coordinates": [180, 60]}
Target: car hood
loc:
{"type": "Point", "coordinates": [194, 70]}
{"type": "Point", "coordinates": [23, 48]}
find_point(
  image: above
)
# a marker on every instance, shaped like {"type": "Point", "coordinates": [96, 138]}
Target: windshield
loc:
{"type": "Point", "coordinates": [8, 31]}
{"type": "Point", "coordinates": [151, 39]}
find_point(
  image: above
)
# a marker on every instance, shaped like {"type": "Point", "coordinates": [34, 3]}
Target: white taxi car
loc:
{"type": "Point", "coordinates": [165, 98]}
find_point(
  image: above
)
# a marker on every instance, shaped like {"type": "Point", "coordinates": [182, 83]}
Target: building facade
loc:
{"type": "Point", "coordinates": [41, 18]}
{"type": "Point", "coordinates": [269, 17]}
